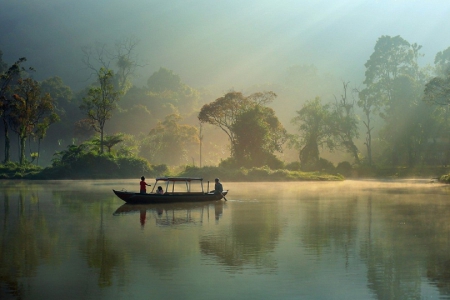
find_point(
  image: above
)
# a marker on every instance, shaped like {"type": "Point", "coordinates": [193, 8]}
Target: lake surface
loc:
{"type": "Point", "coordinates": [325, 240]}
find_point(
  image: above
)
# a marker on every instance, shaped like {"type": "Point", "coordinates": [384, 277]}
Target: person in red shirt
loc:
{"type": "Point", "coordinates": [144, 185]}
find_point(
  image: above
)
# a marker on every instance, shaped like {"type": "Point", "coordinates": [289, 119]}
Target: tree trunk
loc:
{"type": "Point", "coordinates": [22, 150]}
{"type": "Point", "coordinates": [7, 141]}
{"type": "Point", "coordinates": [101, 140]}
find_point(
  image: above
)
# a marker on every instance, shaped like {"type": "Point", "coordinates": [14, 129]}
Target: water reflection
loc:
{"type": "Point", "coordinates": [372, 240]}
{"type": "Point", "coordinates": [173, 214]}
{"type": "Point", "coordinates": [25, 237]}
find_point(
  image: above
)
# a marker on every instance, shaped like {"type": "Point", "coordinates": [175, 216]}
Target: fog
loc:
{"type": "Point", "coordinates": [242, 45]}
{"type": "Point", "coordinates": [226, 44]}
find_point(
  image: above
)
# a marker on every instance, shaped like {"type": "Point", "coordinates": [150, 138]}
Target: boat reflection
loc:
{"type": "Point", "coordinates": [173, 214]}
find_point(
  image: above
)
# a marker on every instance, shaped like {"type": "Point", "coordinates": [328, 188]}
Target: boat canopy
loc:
{"type": "Point", "coordinates": [171, 181]}
{"type": "Point", "coordinates": [178, 178]}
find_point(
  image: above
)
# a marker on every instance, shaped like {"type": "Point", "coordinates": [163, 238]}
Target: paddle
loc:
{"type": "Point", "coordinates": [223, 196]}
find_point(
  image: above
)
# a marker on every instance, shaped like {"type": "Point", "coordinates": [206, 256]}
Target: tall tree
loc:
{"type": "Point", "coordinates": [7, 80]}
{"type": "Point", "coordinates": [100, 102]}
{"type": "Point", "coordinates": [392, 57]}
{"type": "Point", "coordinates": [121, 59]}
{"type": "Point", "coordinates": [31, 111]}
{"type": "Point", "coordinates": [403, 133]}
{"type": "Point", "coordinates": [345, 123]}
{"type": "Point", "coordinates": [258, 134]}
{"type": "Point", "coordinates": [370, 105]}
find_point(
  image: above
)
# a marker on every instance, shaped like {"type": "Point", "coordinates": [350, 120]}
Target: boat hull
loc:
{"type": "Point", "coordinates": [135, 198]}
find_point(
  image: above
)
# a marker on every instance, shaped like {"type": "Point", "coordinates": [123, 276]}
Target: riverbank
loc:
{"type": "Point", "coordinates": [90, 171]}
{"type": "Point", "coordinates": [99, 169]}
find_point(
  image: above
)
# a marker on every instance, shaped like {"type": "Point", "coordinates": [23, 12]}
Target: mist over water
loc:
{"type": "Point", "coordinates": [326, 240]}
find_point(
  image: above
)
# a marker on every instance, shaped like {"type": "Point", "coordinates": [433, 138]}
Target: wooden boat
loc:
{"type": "Point", "coordinates": [173, 192]}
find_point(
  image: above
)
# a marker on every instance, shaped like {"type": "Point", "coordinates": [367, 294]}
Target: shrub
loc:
{"type": "Point", "coordinates": [274, 162]}
{"type": "Point", "coordinates": [294, 166]}
{"type": "Point", "coordinates": [259, 173]}
{"type": "Point", "coordinates": [344, 168]}
{"type": "Point", "coordinates": [133, 167]}
{"type": "Point", "coordinates": [160, 170]}
{"type": "Point", "coordinates": [325, 165]}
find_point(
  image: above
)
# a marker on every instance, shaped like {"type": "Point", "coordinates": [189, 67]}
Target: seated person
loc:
{"type": "Point", "coordinates": [218, 188]}
{"type": "Point", "coordinates": [160, 190]}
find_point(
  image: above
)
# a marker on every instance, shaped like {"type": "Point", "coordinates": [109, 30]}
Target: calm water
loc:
{"type": "Point", "coordinates": [346, 240]}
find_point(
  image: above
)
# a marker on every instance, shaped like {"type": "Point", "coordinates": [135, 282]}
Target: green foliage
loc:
{"type": "Point", "coordinates": [256, 174]}
{"type": "Point", "coordinates": [258, 134]}
{"type": "Point", "coordinates": [31, 112]}
{"type": "Point", "coordinates": [167, 87]}
{"type": "Point", "coordinates": [224, 111]}
{"type": "Point", "coordinates": [294, 166]}
{"type": "Point", "coordinates": [60, 92]}
{"type": "Point", "coordinates": [100, 101]}
{"type": "Point", "coordinates": [82, 162]}
{"type": "Point", "coordinates": [326, 166]}
{"type": "Point", "coordinates": [313, 123]}
{"type": "Point", "coordinates": [13, 170]}
{"type": "Point", "coordinates": [445, 178]}
{"type": "Point", "coordinates": [344, 168]}
{"type": "Point", "coordinates": [130, 166]}
{"type": "Point", "coordinates": [437, 90]}
{"type": "Point", "coordinates": [168, 142]}
{"type": "Point", "coordinates": [160, 170]}
{"type": "Point", "coordinates": [442, 62]}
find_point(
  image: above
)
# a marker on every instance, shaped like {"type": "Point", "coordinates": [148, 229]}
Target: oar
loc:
{"type": "Point", "coordinates": [223, 196]}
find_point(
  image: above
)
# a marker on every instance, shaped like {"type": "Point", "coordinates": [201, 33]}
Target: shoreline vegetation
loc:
{"type": "Point", "coordinates": [109, 167]}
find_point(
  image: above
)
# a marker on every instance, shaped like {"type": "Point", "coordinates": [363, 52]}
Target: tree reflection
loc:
{"type": "Point", "coordinates": [402, 243]}
{"type": "Point", "coordinates": [330, 224]}
{"type": "Point", "coordinates": [250, 241]}
{"type": "Point", "coordinates": [102, 254]}
{"type": "Point", "coordinates": [26, 239]}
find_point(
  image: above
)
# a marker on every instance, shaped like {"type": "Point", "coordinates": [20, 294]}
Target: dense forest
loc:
{"type": "Point", "coordinates": [396, 118]}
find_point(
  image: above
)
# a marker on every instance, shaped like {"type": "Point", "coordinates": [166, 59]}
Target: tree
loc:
{"type": "Point", "coordinates": [392, 57]}
{"type": "Point", "coordinates": [100, 102]}
{"type": "Point", "coordinates": [61, 93]}
{"type": "Point", "coordinates": [223, 112]}
{"type": "Point", "coordinates": [437, 90]}
{"type": "Point", "coordinates": [7, 80]}
{"type": "Point", "coordinates": [165, 87]}
{"type": "Point", "coordinates": [313, 121]}
{"type": "Point", "coordinates": [122, 56]}
{"type": "Point", "coordinates": [345, 123]}
{"type": "Point", "coordinates": [258, 135]}
{"type": "Point", "coordinates": [31, 111]}
{"type": "Point", "coordinates": [65, 106]}
{"type": "Point", "coordinates": [442, 62]}
{"type": "Point", "coordinates": [111, 140]}
{"type": "Point", "coordinates": [404, 132]}
{"type": "Point", "coordinates": [370, 105]}
{"type": "Point", "coordinates": [3, 65]}
{"type": "Point", "coordinates": [168, 142]}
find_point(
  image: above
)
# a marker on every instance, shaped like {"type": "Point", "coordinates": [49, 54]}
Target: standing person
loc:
{"type": "Point", "coordinates": [144, 185]}
{"type": "Point", "coordinates": [218, 188]}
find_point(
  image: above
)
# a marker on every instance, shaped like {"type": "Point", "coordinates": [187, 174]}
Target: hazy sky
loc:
{"type": "Point", "coordinates": [229, 43]}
